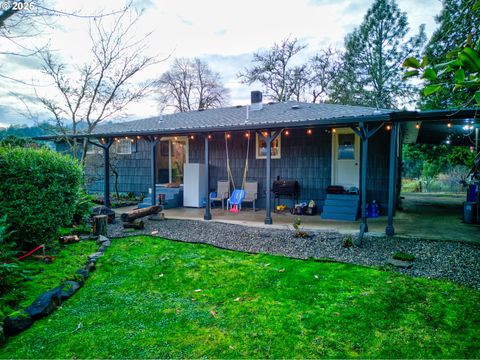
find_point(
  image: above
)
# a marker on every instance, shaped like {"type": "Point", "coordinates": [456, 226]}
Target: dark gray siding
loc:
{"type": "Point", "coordinates": [305, 158]}
{"type": "Point", "coordinates": [378, 167]}
{"type": "Point", "coordinates": [133, 169]}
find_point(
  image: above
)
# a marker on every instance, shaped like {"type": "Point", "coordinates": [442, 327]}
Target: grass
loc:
{"type": "Point", "coordinates": [43, 277]}
{"type": "Point", "coordinates": [154, 298]}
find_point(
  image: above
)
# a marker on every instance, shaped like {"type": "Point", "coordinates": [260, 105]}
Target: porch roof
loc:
{"type": "Point", "coordinates": [272, 115]}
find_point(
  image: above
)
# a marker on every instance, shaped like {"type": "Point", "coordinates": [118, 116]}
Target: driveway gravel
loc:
{"type": "Point", "coordinates": [450, 260]}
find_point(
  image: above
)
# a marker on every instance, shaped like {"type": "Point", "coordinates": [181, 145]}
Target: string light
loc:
{"type": "Point", "coordinates": [287, 132]}
{"type": "Point", "coordinates": [176, 138]}
{"type": "Point", "coordinates": [449, 125]}
{"type": "Point", "coordinates": [228, 136]}
{"type": "Point", "coordinates": [139, 137]}
{"type": "Point", "coordinates": [247, 134]}
{"type": "Point", "coordinates": [334, 130]}
{"type": "Point", "coordinates": [209, 137]}
{"type": "Point", "coordinates": [417, 125]}
{"type": "Point", "coordinates": [309, 131]}
{"type": "Point", "coordinates": [192, 137]}
{"type": "Point", "coordinates": [388, 127]}
{"type": "Point", "coordinates": [265, 134]}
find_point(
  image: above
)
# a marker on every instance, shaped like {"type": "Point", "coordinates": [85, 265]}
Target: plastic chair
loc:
{"type": "Point", "coordinates": [234, 203]}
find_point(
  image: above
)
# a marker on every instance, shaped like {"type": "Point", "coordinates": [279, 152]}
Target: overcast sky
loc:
{"type": "Point", "coordinates": [224, 33]}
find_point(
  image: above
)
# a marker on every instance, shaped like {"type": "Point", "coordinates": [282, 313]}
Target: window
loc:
{"type": "Point", "coordinates": [92, 149]}
{"type": "Point", "coordinates": [124, 146]}
{"type": "Point", "coordinates": [346, 146]}
{"type": "Point", "coordinates": [261, 147]}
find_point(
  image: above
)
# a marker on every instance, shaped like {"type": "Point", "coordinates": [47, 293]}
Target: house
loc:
{"type": "Point", "coordinates": [318, 145]}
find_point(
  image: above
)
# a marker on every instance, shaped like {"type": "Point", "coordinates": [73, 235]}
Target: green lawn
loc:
{"type": "Point", "coordinates": [156, 298]}
{"type": "Point", "coordinates": [68, 259]}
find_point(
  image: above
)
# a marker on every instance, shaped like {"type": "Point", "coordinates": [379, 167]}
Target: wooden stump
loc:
{"type": "Point", "coordinates": [68, 239]}
{"type": "Point", "coordinates": [136, 224]}
{"type": "Point", "coordinates": [100, 225]}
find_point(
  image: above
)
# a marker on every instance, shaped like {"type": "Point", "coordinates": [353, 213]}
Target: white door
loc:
{"type": "Point", "coordinates": [345, 158]}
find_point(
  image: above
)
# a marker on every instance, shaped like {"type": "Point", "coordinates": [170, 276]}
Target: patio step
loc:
{"type": "Point", "coordinates": [339, 216]}
{"type": "Point", "coordinates": [341, 207]}
{"type": "Point", "coordinates": [343, 197]}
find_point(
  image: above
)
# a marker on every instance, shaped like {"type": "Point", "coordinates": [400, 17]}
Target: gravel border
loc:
{"type": "Point", "coordinates": [450, 260]}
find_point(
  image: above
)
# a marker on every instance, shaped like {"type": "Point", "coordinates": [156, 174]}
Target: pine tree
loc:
{"type": "Point", "coordinates": [371, 73]}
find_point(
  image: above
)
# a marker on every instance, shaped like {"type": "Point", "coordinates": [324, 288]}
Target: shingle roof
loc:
{"type": "Point", "coordinates": [281, 114]}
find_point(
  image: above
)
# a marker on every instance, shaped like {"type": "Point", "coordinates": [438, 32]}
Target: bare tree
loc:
{"type": "Point", "coordinates": [324, 68]}
{"type": "Point", "coordinates": [85, 95]}
{"type": "Point", "coordinates": [23, 21]}
{"type": "Point", "coordinates": [274, 70]}
{"type": "Point", "coordinates": [190, 85]}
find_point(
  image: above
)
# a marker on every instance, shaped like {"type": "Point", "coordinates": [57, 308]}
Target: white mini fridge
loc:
{"type": "Point", "coordinates": [194, 185]}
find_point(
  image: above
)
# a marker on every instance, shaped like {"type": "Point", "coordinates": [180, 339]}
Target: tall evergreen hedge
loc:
{"type": "Point", "coordinates": [39, 190]}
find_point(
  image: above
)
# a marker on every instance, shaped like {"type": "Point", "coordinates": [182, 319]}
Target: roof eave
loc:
{"type": "Point", "coordinates": [341, 121]}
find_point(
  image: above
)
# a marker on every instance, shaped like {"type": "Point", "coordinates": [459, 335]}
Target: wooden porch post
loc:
{"type": "Point", "coordinates": [106, 169]}
{"type": "Point", "coordinates": [153, 158]}
{"type": "Point", "coordinates": [390, 230]}
{"type": "Point", "coordinates": [364, 134]}
{"type": "Point", "coordinates": [268, 178]}
{"type": "Point", "coordinates": [363, 180]}
{"type": "Point", "coordinates": [207, 215]}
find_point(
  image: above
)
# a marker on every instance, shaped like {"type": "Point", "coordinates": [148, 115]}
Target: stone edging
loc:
{"type": "Point", "coordinates": [50, 300]}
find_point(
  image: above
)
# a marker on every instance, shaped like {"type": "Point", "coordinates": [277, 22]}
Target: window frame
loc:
{"type": "Point", "coordinates": [277, 140]}
{"type": "Point", "coordinates": [120, 143]}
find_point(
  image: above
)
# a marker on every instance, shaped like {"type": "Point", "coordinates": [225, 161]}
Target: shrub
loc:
{"type": "Point", "coordinates": [8, 268]}
{"type": "Point", "coordinates": [39, 192]}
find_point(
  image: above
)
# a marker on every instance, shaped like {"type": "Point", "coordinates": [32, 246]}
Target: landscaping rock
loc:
{"type": "Point", "coordinates": [400, 263]}
{"type": "Point", "coordinates": [103, 210]}
{"type": "Point", "coordinates": [45, 303]}
{"type": "Point", "coordinates": [91, 267]}
{"type": "Point", "coordinates": [2, 335]}
{"type": "Point", "coordinates": [69, 288]}
{"type": "Point", "coordinates": [83, 273]}
{"type": "Point", "coordinates": [102, 240]}
{"type": "Point", "coordinates": [102, 249]}
{"type": "Point", "coordinates": [94, 257]}
{"type": "Point", "coordinates": [15, 324]}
